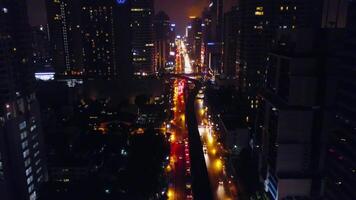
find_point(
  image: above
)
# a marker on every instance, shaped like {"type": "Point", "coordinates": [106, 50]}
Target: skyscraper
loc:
{"type": "Point", "coordinates": [90, 38]}
{"type": "Point", "coordinates": [22, 164]}
{"type": "Point", "coordinates": [41, 49]}
{"type": "Point", "coordinates": [142, 13]}
{"type": "Point", "coordinates": [105, 39]}
{"type": "Point", "coordinates": [214, 48]}
{"type": "Point", "coordinates": [195, 40]}
{"type": "Point", "coordinates": [161, 40]}
{"type": "Point", "coordinates": [340, 153]}
{"type": "Point", "coordinates": [65, 36]}
{"type": "Point", "coordinates": [254, 40]}
{"type": "Point", "coordinates": [231, 29]}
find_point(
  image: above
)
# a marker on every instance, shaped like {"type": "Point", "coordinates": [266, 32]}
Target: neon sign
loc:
{"type": "Point", "coordinates": [121, 1]}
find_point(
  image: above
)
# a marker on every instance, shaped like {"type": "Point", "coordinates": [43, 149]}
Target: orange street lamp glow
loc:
{"type": "Point", "coordinates": [170, 193]}
{"type": "Point", "coordinates": [218, 165]}
{"type": "Point", "coordinates": [213, 151]}
{"type": "Point", "coordinates": [210, 140]}
{"type": "Point", "coordinates": [173, 138]}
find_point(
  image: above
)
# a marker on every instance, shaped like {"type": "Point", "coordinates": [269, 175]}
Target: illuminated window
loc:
{"type": "Point", "coordinates": [137, 9]}
{"type": "Point", "coordinates": [259, 13]}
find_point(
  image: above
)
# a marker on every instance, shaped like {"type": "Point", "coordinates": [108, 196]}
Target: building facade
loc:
{"type": "Point", "coordinates": [231, 29]}
{"type": "Point", "coordinates": [162, 29]}
{"type": "Point", "coordinates": [340, 91]}
{"type": "Point", "coordinates": [22, 163]}
{"type": "Point", "coordinates": [142, 13]}
{"type": "Point", "coordinates": [65, 36]}
{"type": "Point", "coordinates": [105, 39]}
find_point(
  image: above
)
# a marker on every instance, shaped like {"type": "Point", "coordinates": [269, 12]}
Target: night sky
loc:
{"type": "Point", "coordinates": [178, 10]}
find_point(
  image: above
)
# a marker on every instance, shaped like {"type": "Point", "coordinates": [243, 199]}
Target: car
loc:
{"type": "Point", "coordinates": [221, 182]}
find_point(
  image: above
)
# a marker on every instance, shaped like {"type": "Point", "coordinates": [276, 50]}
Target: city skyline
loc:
{"type": "Point", "coordinates": [179, 13]}
{"type": "Point", "coordinates": [177, 100]}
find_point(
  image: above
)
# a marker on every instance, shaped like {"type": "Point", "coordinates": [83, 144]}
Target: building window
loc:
{"type": "Point", "coordinates": [22, 125]}
{"type": "Point", "coordinates": [38, 170]}
{"type": "Point", "coordinates": [26, 153]}
{"type": "Point", "coordinates": [29, 180]}
{"type": "Point", "coordinates": [27, 162]}
{"type": "Point", "coordinates": [35, 145]}
{"type": "Point", "coordinates": [39, 179]}
{"type": "Point", "coordinates": [24, 144]}
{"type": "Point", "coordinates": [38, 161]}
{"type": "Point", "coordinates": [31, 188]}
{"type": "Point", "coordinates": [37, 153]}
{"type": "Point", "coordinates": [23, 135]}
{"type": "Point", "coordinates": [33, 127]}
{"type": "Point", "coordinates": [28, 171]}
{"type": "Point", "coordinates": [33, 196]}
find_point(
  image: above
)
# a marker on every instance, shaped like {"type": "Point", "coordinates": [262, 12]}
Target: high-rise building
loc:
{"type": "Point", "coordinates": [195, 39]}
{"type": "Point", "coordinates": [142, 13]}
{"type": "Point", "coordinates": [290, 118]}
{"type": "Point", "coordinates": [65, 36]}
{"type": "Point", "coordinates": [340, 153]}
{"type": "Point", "coordinates": [231, 29]}
{"type": "Point", "coordinates": [217, 9]}
{"type": "Point", "coordinates": [214, 47]}
{"type": "Point", "coordinates": [307, 103]}
{"type": "Point", "coordinates": [162, 28]}
{"type": "Point", "coordinates": [41, 56]}
{"type": "Point", "coordinates": [22, 163]}
{"type": "Point", "coordinates": [90, 38]}
{"type": "Point", "coordinates": [253, 42]}
{"type": "Point", "coordinates": [105, 39]}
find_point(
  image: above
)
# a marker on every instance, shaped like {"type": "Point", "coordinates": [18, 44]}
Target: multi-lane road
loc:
{"type": "Point", "coordinates": [213, 165]}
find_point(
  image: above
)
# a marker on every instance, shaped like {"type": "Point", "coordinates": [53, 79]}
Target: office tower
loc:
{"type": "Point", "coordinates": [231, 28]}
{"type": "Point", "coordinates": [207, 39]}
{"type": "Point", "coordinates": [142, 12]}
{"type": "Point", "coordinates": [105, 39]}
{"type": "Point", "coordinates": [215, 45]}
{"type": "Point", "coordinates": [195, 40]}
{"type": "Point", "coordinates": [162, 28]}
{"type": "Point", "coordinates": [340, 152]}
{"type": "Point", "coordinates": [22, 166]}
{"type": "Point", "coordinates": [65, 36]}
{"type": "Point", "coordinates": [41, 57]}
{"type": "Point", "coordinates": [217, 9]}
{"type": "Point", "coordinates": [254, 38]}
